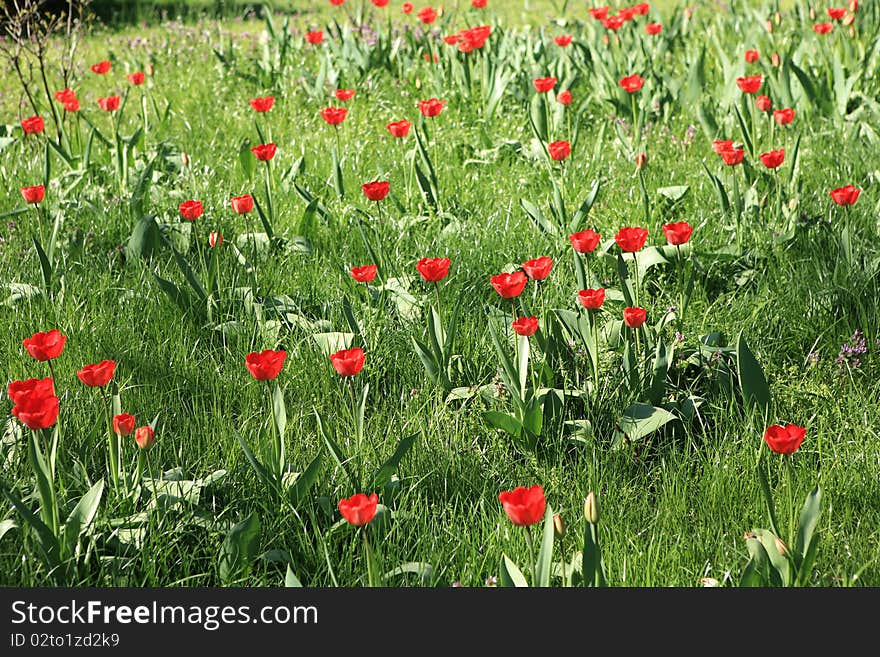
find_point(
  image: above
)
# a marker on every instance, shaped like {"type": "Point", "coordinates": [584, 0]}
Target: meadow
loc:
{"type": "Point", "coordinates": [656, 439]}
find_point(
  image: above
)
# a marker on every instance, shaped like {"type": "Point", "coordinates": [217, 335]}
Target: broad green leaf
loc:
{"type": "Point", "coordinates": [280, 409]}
{"type": "Point", "coordinates": [674, 193]}
{"type": "Point", "coordinates": [807, 521]}
{"type": "Point", "coordinates": [641, 420]}
{"type": "Point", "coordinates": [757, 570]}
{"type": "Point", "coordinates": [291, 581]}
{"type": "Point", "coordinates": [239, 549]}
{"type": "Point", "coordinates": [545, 553]}
{"type": "Point", "coordinates": [304, 482]}
{"type": "Point", "coordinates": [509, 575]}
{"type": "Point", "coordinates": [504, 421]}
{"type": "Point", "coordinates": [424, 571]}
{"type": "Point", "coordinates": [7, 525]}
{"type": "Point", "coordinates": [145, 239]}
{"type": "Point", "coordinates": [660, 371]}
{"type": "Point", "coordinates": [538, 217]}
{"type": "Point", "coordinates": [755, 391]}
{"type": "Point", "coordinates": [383, 474]}
{"type": "Point", "coordinates": [768, 498]}
{"type": "Point", "coordinates": [45, 483]}
{"type": "Point", "coordinates": [81, 517]}
{"type": "Point", "coordinates": [332, 342]}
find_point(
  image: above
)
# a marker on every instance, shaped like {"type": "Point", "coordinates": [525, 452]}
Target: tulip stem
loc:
{"type": "Point", "coordinates": [278, 464]}
{"type": "Point", "coordinates": [636, 274]}
{"type": "Point", "coordinates": [112, 443]}
{"type": "Point", "coordinates": [681, 287]}
{"type": "Point", "coordinates": [531, 543]}
{"type": "Point", "coordinates": [371, 566]}
{"type": "Point", "coordinates": [594, 316]}
{"type": "Point", "coordinates": [437, 290]}
{"type": "Point", "coordinates": [790, 484]}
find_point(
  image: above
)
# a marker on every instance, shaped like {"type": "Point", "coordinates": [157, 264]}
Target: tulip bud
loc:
{"type": "Point", "coordinates": [781, 547]}
{"type": "Point", "coordinates": [184, 158]}
{"type": "Point", "coordinates": [769, 26]}
{"type": "Point", "coordinates": [778, 18]}
{"type": "Point", "coordinates": [852, 31]}
{"type": "Point", "coordinates": [558, 526]}
{"type": "Point", "coordinates": [688, 12]}
{"type": "Point", "coordinates": [853, 5]}
{"type": "Point", "coordinates": [710, 582]}
{"type": "Point", "coordinates": [641, 160]}
{"type": "Point", "coordinates": [591, 509]}
{"type": "Point", "coordinates": [215, 239]}
{"type": "Point", "coordinates": [849, 19]}
{"type": "Point", "coordinates": [605, 39]}
{"type": "Point", "coordinates": [149, 69]}
{"type": "Point", "coordinates": [812, 14]}
{"type": "Point", "coordinates": [774, 59]}
{"type": "Point", "coordinates": [144, 437]}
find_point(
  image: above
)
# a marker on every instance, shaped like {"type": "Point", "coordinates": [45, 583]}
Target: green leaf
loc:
{"type": "Point", "coordinates": [593, 570]}
{"type": "Point", "coordinates": [757, 570]}
{"type": "Point", "coordinates": [674, 193]}
{"type": "Point", "coordinates": [81, 517]}
{"type": "Point", "coordinates": [258, 467]}
{"type": "Point", "coordinates": [780, 569]}
{"type": "Point", "coordinates": [300, 488]}
{"type": "Point", "coordinates": [291, 581]}
{"type": "Point", "coordinates": [807, 522]}
{"type": "Point", "coordinates": [583, 211]}
{"type": "Point", "coordinates": [7, 525]}
{"type": "Point", "coordinates": [523, 365]}
{"type": "Point", "coordinates": [544, 564]}
{"type": "Point", "coordinates": [755, 391]}
{"type": "Point", "coordinates": [264, 219]}
{"type": "Point", "coordinates": [383, 475]}
{"type": "Point", "coordinates": [425, 187]}
{"type": "Point", "coordinates": [145, 239]}
{"type": "Point", "coordinates": [509, 575]}
{"type": "Point", "coordinates": [337, 175]}
{"type": "Point", "coordinates": [45, 265]}
{"type": "Point", "coordinates": [178, 296]}
{"type": "Point", "coordinates": [333, 341]}
{"type": "Point", "coordinates": [280, 409]}
{"type": "Point", "coordinates": [335, 451]}
{"type": "Point", "coordinates": [45, 483]}
{"type": "Point", "coordinates": [239, 549]}
{"type": "Point", "coordinates": [424, 571]}
{"type": "Point", "coordinates": [768, 498]}
{"type": "Point", "coordinates": [504, 421]}
{"type": "Point", "coordinates": [538, 217]}
{"type": "Point", "coordinates": [246, 158]}
{"type": "Point", "coordinates": [639, 421]}
{"type": "Point", "coordinates": [660, 372]}
{"type": "Point", "coordinates": [48, 542]}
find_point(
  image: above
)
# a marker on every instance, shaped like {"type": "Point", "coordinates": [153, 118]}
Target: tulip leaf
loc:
{"type": "Point", "coordinates": [504, 421]}
{"type": "Point", "coordinates": [45, 483]}
{"type": "Point", "coordinates": [239, 549]}
{"type": "Point", "coordinates": [425, 187]}
{"type": "Point", "coordinates": [674, 193]}
{"type": "Point", "coordinates": [768, 498]}
{"type": "Point", "coordinates": [538, 217]}
{"type": "Point", "coordinates": [544, 564]}
{"type": "Point", "coordinates": [81, 517]}
{"type": "Point", "coordinates": [756, 573]}
{"type": "Point", "coordinates": [291, 580]}
{"type": "Point", "coordinates": [639, 421]}
{"type": "Point", "coordinates": [755, 391]}
{"type": "Point", "coordinates": [509, 575]}
{"type": "Point", "coordinates": [660, 372]}
{"type": "Point", "coordinates": [583, 211]}
{"type": "Point", "coordinates": [424, 571]}
{"type": "Point", "coordinates": [805, 546]}
{"type": "Point", "coordinates": [45, 265]}
{"type": "Point", "coordinates": [780, 570]}
{"type": "Point", "coordinates": [48, 541]}
{"type": "Point", "coordinates": [382, 477]}
{"type": "Point", "coordinates": [280, 412]}
{"type": "Point", "coordinates": [335, 451]}
{"type": "Point", "coordinates": [332, 342]}
{"type": "Point", "coordinates": [301, 486]}
{"type": "Point", "coordinates": [7, 526]}
{"type": "Point", "coordinates": [246, 158]}
{"type": "Point", "coordinates": [258, 467]}
{"type": "Point", "coordinates": [337, 175]}
{"type": "Point", "coordinates": [145, 239]}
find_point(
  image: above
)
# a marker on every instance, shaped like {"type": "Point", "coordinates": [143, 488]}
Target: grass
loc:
{"type": "Point", "coordinates": [674, 509]}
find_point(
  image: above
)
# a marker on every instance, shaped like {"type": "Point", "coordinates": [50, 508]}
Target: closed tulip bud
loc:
{"type": "Point", "coordinates": [812, 14]}
{"type": "Point", "coordinates": [144, 437]}
{"type": "Point", "coordinates": [778, 18]}
{"type": "Point", "coordinates": [769, 26]}
{"type": "Point", "coordinates": [709, 582]}
{"type": "Point", "coordinates": [775, 60]}
{"type": "Point", "coordinates": [853, 5]}
{"type": "Point", "coordinates": [688, 12]}
{"type": "Point", "coordinates": [641, 160]}
{"type": "Point", "coordinates": [591, 509]}
{"type": "Point", "coordinates": [558, 526]}
{"type": "Point", "coordinates": [852, 31]}
{"type": "Point", "coordinates": [781, 547]}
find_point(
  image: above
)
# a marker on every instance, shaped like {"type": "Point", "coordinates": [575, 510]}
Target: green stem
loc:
{"type": "Point", "coordinates": [112, 442]}
{"type": "Point", "coordinates": [530, 542]}
{"type": "Point", "coordinates": [371, 579]}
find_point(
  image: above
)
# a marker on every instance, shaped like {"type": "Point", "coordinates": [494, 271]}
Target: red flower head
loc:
{"type": "Point", "coordinates": [264, 152]}
{"type": "Point", "coordinates": [763, 103]}
{"type": "Point", "coordinates": [750, 83]}
{"type": "Point", "coordinates": [376, 190]}
{"type": "Point", "coordinates": [478, 4]}
{"type": "Point", "coordinates": [524, 506]}
{"type": "Point", "coordinates": [34, 194]}
{"type": "Point", "coordinates": [823, 28]}
{"type": "Point", "coordinates": [110, 103]}
{"type": "Point", "coordinates": [732, 156]}
{"type": "Point", "coordinates": [585, 241]}
{"type": "Point", "coordinates": [752, 56]}
{"type": "Point", "coordinates": [242, 204]}
{"type": "Point", "coordinates": [784, 116]}
{"type": "Point", "coordinates": [33, 125]}
{"type": "Point", "coordinates": [101, 67]}
{"type": "Point", "coordinates": [525, 326]}
{"type": "Point", "coordinates": [431, 107]}
{"type": "Point", "coordinates": [266, 364]}
{"type": "Point", "coordinates": [315, 37]}
{"type": "Point", "coordinates": [263, 104]}
{"type": "Point", "coordinates": [36, 410]}
{"type": "Point", "coordinates": [144, 437]}
{"type": "Point", "coordinates": [380, 3]}
{"type": "Point", "coordinates": [336, 3]}
{"type": "Point", "coordinates": [721, 145]}
{"type": "Point", "coordinates": [653, 28]}
{"type": "Point", "coordinates": [97, 375]}
{"type": "Point", "coordinates": [136, 78]}
{"type": "Point", "coordinates": [359, 510]}
{"type": "Point", "coordinates": [19, 390]}
{"type": "Point", "coordinates": [123, 424]}
{"type": "Point", "coordinates": [678, 233]}
{"type": "Point", "coordinates": [836, 13]}
{"type": "Point", "coordinates": [452, 39]}
{"type": "Point", "coordinates": [773, 159]}
{"type": "Point", "coordinates": [613, 23]}
{"type": "Point", "coordinates": [334, 115]}
{"type": "Point", "coordinates": [785, 440]}
{"type": "Point", "coordinates": [408, 7]}
{"type": "Point", "coordinates": [45, 346]}
{"type": "Point", "coordinates": [641, 160]}
{"type": "Point", "coordinates": [215, 239]}
{"type": "Point", "coordinates": [543, 85]}
{"type": "Point", "coordinates": [65, 95]}
{"type": "Point", "coordinates": [191, 210]}
{"type": "Point", "coordinates": [559, 150]}
{"type": "Point", "coordinates": [845, 195]}
{"type": "Point", "coordinates": [348, 362]}
{"type": "Point", "coordinates": [626, 13]}
{"type": "Point", "coordinates": [634, 317]}
{"type": "Point", "coordinates": [427, 15]}
{"type": "Point", "coordinates": [71, 105]}
{"type": "Point", "coordinates": [631, 239]}
{"type": "Point", "coordinates": [364, 274]}
{"type": "Point", "coordinates": [641, 9]}
{"type": "Point", "coordinates": [345, 94]}
{"type": "Point", "coordinates": [592, 299]}
{"type": "Point", "coordinates": [433, 269]}
{"type": "Point", "coordinates": [399, 128]}
{"type": "Point", "coordinates": [539, 268]}
{"type": "Point", "coordinates": [599, 13]}
{"type": "Point", "coordinates": [631, 83]}
{"type": "Point", "coordinates": [563, 40]}
{"type": "Point", "coordinates": [564, 97]}
{"type": "Point", "coordinates": [509, 285]}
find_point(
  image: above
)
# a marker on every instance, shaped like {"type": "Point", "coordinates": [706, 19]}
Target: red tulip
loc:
{"type": "Point", "coordinates": [191, 210]}
{"type": "Point", "coordinates": [564, 97]}
{"type": "Point", "coordinates": [123, 424]}
{"type": "Point", "coordinates": [784, 116]}
{"type": "Point", "coordinates": [509, 285]}
{"type": "Point", "coordinates": [452, 39]}
{"type": "Point", "coordinates": [631, 239]}
{"type": "Point", "coordinates": [263, 104]}
{"type": "Point", "coordinates": [34, 194]}
{"type": "Point", "coordinates": [634, 317]}
{"type": "Point", "coordinates": [334, 115]}
{"type": "Point", "coordinates": [632, 83]}
{"type": "Point", "coordinates": [721, 145]}
{"type": "Point", "coordinates": [242, 204]}
{"type": "Point", "coordinates": [136, 78]}
{"type": "Point", "coordinates": [71, 105]}
{"type": "Point", "coordinates": [524, 506]}
{"type": "Point", "coordinates": [33, 125]}
{"type": "Point", "coordinates": [836, 13]}
{"type": "Point", "coordinates": [678, 233]}
{"type": "Point", "coordinates": [266, 364]}
{"type": "Point", "coordinates": [773, 159]}
{"type": "Point", "coordinates": [348, 362]}
{"type": "Point", "coordinates": [733, 156]}
{"type": "Point", "coordinates": [823, 28]}
{"type": "Point", "coordinates": [525, 326]}
{"type": "Point", "coordinates": [380, 3]}
{"type": "Point", "coordinates": [264, 152]}
{"type": "Point", "coordinates": [399, 128]}
{"type": "Point", "coordinates": [315, 37]}
{"type": "Point", "coordinates": [592, 299]}
{"type": "Point", "coordinates": [613, 23]}
{"type": "Point", "coordinates": [752, 56]}
{"type": "Point", "coordinates": [845, 195]}
{"type": "Point", "coordinates": [641, 160]}
{"type": "Point", "coordinates": [539, 268]}
{"type": "Point", "coordinates": [559, 150]}
{"type": "Point", "coordinates": [65, 95]}
{"type": "Point", "coordinates": [653, 28]}
{"type": "Point", "coordinates": [144, 437]}
{"type": "Point", "coordinates": [543, 85]}
{"type": "Point", "coordinates": [427, 15]}
{"type": "Point", "coordinates": [336, 3]}
{"type": "Point", "coordinates": [563, 40]}
{"type": "Point", "coordinates": [36, 411]}
{"type": "Point", "coordinates": [599, 13]}
{"type": "Point", "coordinates": [97, 375]}
{"type": "Point", "coordinates": [431, 107]}
{"type": "Point", "coordinates": [215, 239]}
{"type": "Point", "coordinates": [359, 510]}
{"type": "Point", "coordinates": [433, 269]}
{"type": "Point", "coordinates": [110, 103]}
{"type": "Point", "coordinates": [345, 94]}
{"type": "Point", "coordinates": [750, 84]}
{"type": "Point", "coordinates": [45, 346]}
{"type": "Point", "coordinates": [19, 390]}
{"type": "Point", "coordinates": [641, 9]}
{"type": "Point", "coordinates": [775, 60]}
{"type": "Point", "coordinates": [101, 67]}
{"type": "Point", "coordinates": [585, 241]}
{"type": "Point", "coordinates": [364, 273]}
{"type": "Point", "coordinates": [478, 4]}
{"type": "Point", "coordinates": [785, 440]}
{"type": "Point", "coordinates": [376, 190]}
{"type": "Point", "coordinates": [408, 7]}
{"type": "Point", "coordinates": [763, 103]}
